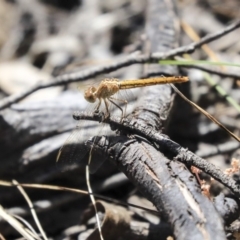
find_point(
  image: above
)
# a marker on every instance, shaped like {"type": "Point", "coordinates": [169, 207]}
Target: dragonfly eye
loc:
{"type": "Point", "coordinates": [90, 94]}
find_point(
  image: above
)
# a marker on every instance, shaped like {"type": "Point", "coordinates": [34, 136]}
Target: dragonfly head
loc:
{"type": "Point", "coordinates": [90, 94]}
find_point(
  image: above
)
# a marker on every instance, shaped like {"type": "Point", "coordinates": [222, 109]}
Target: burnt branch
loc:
{"type": "Point", "coordinates": [227, 208]}
{"type": "Point", "coordinates": [181, 154]}
{"type": "Point", "coordinates": [164, 182]}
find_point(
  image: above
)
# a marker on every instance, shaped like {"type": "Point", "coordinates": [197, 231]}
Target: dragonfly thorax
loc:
{"type": "Point", "coordinates": [106, 89]}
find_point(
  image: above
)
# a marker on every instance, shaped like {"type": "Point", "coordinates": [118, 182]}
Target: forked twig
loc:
{"type": "Point", "coordinates": [183, 155]}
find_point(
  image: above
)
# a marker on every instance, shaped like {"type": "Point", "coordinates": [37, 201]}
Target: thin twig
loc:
{"type": "Point", "coordinates": [133, 59]}
{"type": "Point", "coordinates": [16, 224]}
{"type": "Point", "coordinates": [205, 113]}
{"type": "Point", "coordinates": [92, 198]}
{"type": "Point", "coordinates": [27, 224]}
{"type": "Point", "coordinates": [29, 202]}
{"type": "Point", "coordinates": [2, 237]}
{"type": "Point", "coordinates": [66, 189]}
{"type": "Point", "coordinates": [215, 72]}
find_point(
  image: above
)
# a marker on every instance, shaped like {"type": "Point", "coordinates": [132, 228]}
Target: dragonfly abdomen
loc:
{"type": "Point", "coordinates": [126, 84]}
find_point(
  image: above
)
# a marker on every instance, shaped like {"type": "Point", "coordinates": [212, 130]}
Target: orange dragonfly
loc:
{"type": "Point", "coordinates": [73, 149]}
{"type": "Point", "coordinates": [108, 87]}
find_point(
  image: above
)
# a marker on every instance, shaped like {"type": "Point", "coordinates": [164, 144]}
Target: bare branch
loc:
{"type": "Point", "coordinates": [133, 59]}
{"type": "Point", "coordinates": [215, 72]}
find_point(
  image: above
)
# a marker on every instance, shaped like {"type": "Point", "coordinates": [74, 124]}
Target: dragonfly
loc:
{"type": "Point", "coordinates": [73, 150]}
{"type": "Point", "coordinates": [108, 87]}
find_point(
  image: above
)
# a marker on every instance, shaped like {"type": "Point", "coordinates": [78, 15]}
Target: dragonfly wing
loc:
{"type": "Point", "coordinates": [97, 157]}
{"type": "Point", "coordinates": [75, 152]}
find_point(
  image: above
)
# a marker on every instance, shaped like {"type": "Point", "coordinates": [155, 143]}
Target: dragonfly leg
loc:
{"type": "Point", "coordinates": [123, 112]}
{"type": "Point", "coordinates": [99, 104]}
{"type": "Point", "coordinates": [106, 105]}
{"type": "Point", "coordinates": [125, 102]}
